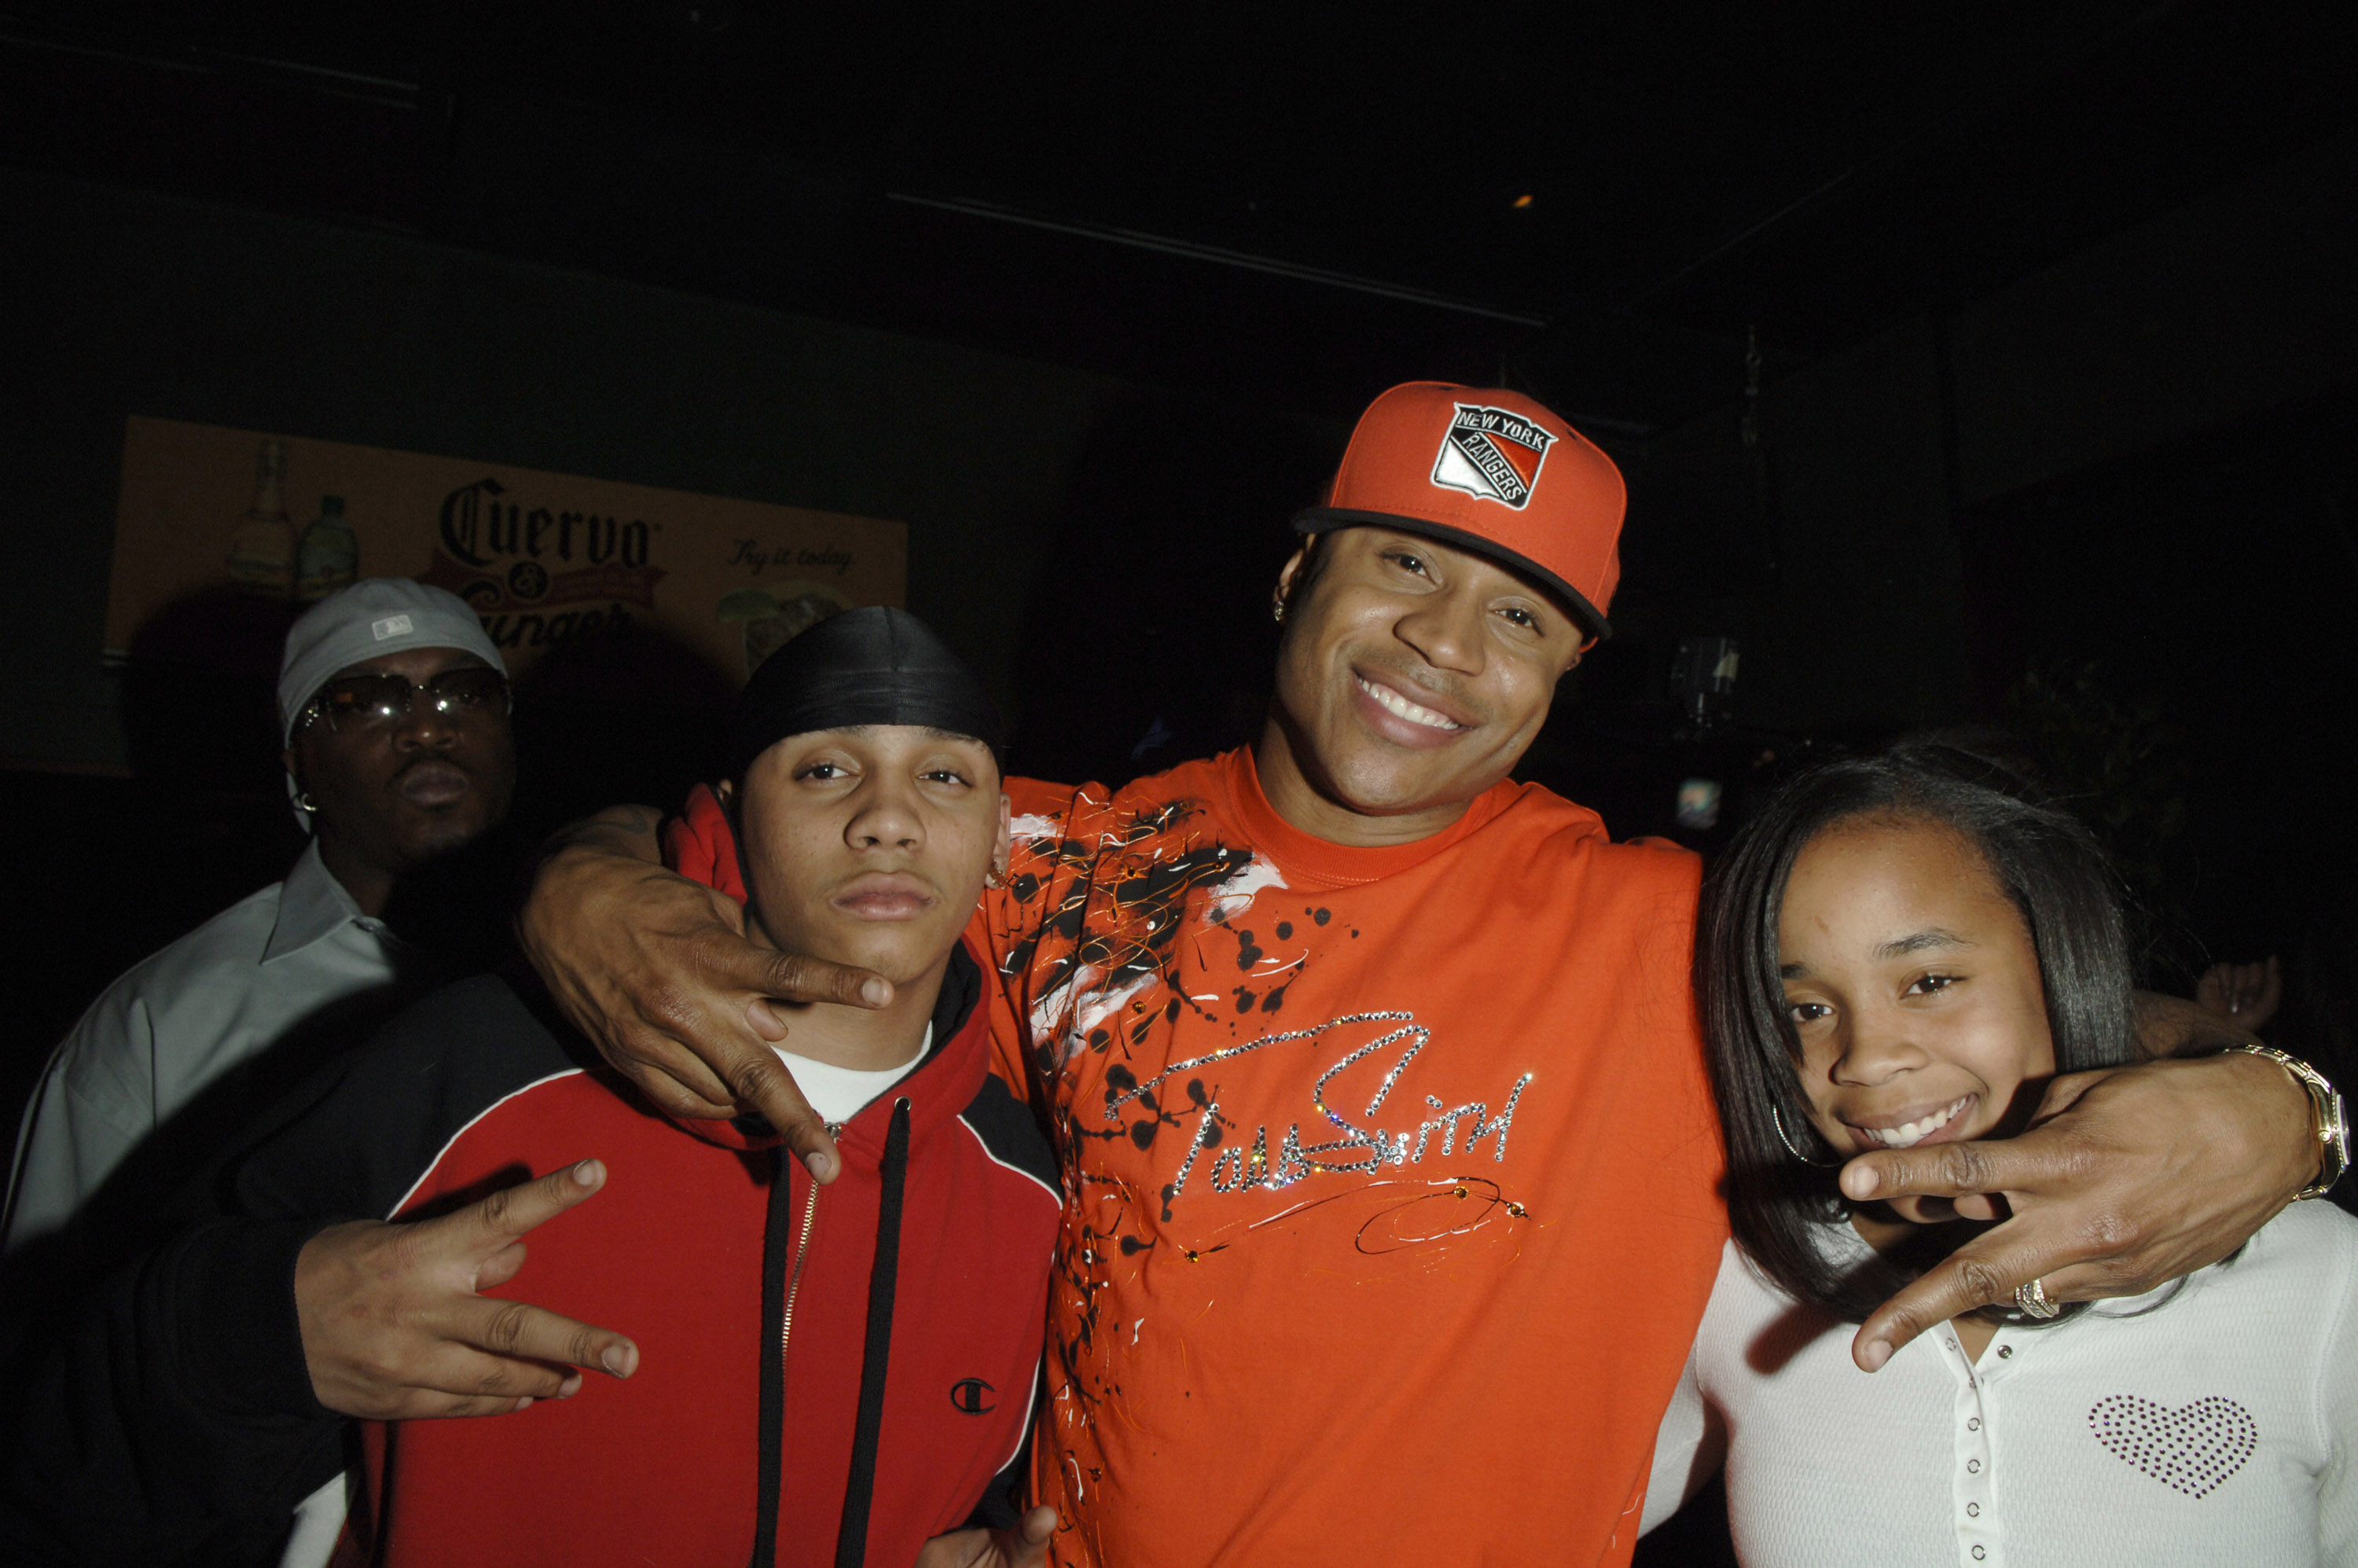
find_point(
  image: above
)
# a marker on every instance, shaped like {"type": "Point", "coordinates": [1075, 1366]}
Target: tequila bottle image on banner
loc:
{"type": "Point", "coordinates": [262, 550]}
{"type": "Point", "coordinates": [774, 616]}
{"type": "Point", "coordinates": [330, 557]}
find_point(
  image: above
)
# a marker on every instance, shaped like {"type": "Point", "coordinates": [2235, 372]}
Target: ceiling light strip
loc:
{"type": "Point", "coordinates": [1219, 256]}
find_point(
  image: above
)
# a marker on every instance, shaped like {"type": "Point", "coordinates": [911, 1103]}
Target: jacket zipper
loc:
{"type": "Point", "coordinates": [802, 1256]}
{"type": "Point", "coordinates": [782, 1274]}
{"type": "Point", "coordinates": [876, 1353]}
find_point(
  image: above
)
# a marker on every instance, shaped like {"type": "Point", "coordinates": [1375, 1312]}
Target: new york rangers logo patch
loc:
{"type": "Point", "coordinates": [1492, 453]}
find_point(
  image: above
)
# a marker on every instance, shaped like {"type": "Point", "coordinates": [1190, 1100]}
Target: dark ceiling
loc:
{"type": "Point", "coordinates": [1294, 205]}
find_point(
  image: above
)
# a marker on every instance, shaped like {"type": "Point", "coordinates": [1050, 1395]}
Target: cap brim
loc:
{"type": "Point", "coordinates": [1326, 519]}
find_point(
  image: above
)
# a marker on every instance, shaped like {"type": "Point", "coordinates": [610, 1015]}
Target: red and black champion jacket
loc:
{"type": "Point", "coordinates": [827, 1375]}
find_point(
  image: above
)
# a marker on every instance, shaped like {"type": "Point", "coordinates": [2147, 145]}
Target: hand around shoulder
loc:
{"type": "Point", "coordinates": [2126, 1179]}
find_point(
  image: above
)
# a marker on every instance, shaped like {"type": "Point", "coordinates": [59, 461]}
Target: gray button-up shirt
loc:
{"type": "Point", "coordinates": [297, 955]}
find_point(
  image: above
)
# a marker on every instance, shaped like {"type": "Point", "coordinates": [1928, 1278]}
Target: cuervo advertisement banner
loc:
{"type": "Point", "coordinates": [209, 512]}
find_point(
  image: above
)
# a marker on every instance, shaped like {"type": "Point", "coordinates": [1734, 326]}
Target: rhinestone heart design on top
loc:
{"type": "Point", "coordinates": [2194, 1449]}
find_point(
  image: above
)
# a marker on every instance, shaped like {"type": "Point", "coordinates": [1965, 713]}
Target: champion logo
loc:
{"type": "Point", "coordinates": [970, 1396]}
{"type": "Point", "coordinates": [1492, 453]}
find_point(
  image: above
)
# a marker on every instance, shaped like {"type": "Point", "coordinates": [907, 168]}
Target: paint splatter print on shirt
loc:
{"type": "Point", "coordinates": [1390, 1173]}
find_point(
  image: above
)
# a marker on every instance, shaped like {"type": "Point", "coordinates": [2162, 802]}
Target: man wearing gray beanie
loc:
{"type": "Point", "coordinates": [393, 706]}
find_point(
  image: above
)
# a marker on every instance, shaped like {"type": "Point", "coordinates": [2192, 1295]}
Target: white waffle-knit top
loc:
{"type": "Point", "coordinates": [2215, 1428]}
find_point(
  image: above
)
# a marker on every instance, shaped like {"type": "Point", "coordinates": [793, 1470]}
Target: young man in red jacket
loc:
{"type": "Point", "coordinates": [837, 1374]}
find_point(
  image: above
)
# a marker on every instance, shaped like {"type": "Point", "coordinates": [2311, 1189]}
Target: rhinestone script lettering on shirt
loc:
{"type": "Point", "coordinates": [1360, 1149]}
{"type": "Point", "coordinates": [2193, 1449]}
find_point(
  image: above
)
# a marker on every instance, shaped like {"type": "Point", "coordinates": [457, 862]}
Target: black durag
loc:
{"type": "Point", "coordinates": [877, 665]}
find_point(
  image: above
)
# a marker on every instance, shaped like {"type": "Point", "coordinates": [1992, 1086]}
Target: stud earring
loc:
{"type": "Point", "coordinates": [1277, 610]}
{"type": "Point", "coordinates": [996, 877]}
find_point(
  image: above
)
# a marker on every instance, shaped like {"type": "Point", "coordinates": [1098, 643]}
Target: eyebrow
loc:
{"type": "Point", "coordinates": [1922, 941]}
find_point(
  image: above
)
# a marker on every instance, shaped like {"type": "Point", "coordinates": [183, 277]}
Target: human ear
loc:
{"type": "Point", "coordinates": [1002, 844]}
{"type": "Point", "coordinates": [1288, 576]}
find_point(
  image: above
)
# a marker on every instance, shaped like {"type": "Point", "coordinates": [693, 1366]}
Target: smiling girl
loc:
{"type": "Point", "coordinates": [1895, 952]}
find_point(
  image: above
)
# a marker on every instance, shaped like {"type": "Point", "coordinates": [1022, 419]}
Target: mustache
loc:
{"type": "Point", "coordinates": [910, 871]}
{"type": "Point", "coordinates": [429, 760]}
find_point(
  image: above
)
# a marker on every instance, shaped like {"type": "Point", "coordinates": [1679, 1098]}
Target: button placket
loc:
{"type": "Point", "coordinates": [1976, 1519]}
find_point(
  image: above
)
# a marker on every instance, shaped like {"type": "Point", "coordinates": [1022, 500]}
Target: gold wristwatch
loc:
{"type": "Point", "coordinates": [2332, 1124]}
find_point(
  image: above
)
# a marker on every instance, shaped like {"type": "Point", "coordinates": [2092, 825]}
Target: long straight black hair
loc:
{"type": "Point", "coordinates": [2046, 862]}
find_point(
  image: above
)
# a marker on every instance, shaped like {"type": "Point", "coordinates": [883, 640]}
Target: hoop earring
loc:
{"type": "Point", "coordinates": [1787, 1139]}
{"type": "Point", "coordinates": [305, 801]}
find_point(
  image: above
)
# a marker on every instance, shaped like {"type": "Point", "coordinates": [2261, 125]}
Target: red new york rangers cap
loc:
{"type": "Point", "coordinates": [1491, 472]}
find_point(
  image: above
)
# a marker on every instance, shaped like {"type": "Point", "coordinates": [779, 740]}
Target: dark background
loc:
{"type": "Point", "coordinates": [2050, 423]}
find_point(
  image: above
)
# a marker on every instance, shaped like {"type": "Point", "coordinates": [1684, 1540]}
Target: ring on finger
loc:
{"type": "Point", "coordinates": [2032, 1299]}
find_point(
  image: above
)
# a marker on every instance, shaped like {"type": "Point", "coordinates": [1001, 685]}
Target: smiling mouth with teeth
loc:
{"type": "Point", "coordinates": [1908, 1133]}
{"type": "Point", "coordinates": [1394, 703]}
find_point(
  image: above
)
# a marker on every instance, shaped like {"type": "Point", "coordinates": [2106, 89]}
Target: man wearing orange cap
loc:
{"type": "Point", "coordinates": [1368, 1068]}
{"type": "Point", "coordinates": [1389, 1166]}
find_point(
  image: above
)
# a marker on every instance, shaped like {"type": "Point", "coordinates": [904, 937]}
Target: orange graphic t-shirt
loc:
{"type": "Point", "coordinates": [1390, 1174]}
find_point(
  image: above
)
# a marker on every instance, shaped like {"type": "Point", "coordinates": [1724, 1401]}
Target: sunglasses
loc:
{"type": "Point", "coordinates": [367, 702]}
